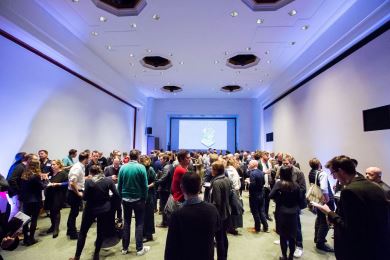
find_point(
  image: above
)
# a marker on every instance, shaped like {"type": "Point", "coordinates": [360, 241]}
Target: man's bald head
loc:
{"type": "Point", "coordinates": [253, 164]}
{"type": "Point", "coordinates": [374, 174]}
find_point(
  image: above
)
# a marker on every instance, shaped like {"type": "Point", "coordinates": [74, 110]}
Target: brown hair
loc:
{"type": "Point", "coordinates": [314, 164]}
{"type": "Point", "coordinates": [219, 167]}
{"type": "Point", "coordinates": [33, 168]}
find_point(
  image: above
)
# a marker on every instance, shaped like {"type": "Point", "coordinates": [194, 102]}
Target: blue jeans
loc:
{"type": "Point", "coordinates": [139, 212]}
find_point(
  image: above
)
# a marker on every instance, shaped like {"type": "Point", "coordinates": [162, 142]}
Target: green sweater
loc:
{"type": "Point", "coordinates": [133, 181]}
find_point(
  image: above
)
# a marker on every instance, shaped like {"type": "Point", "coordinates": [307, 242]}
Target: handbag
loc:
{"type": "Point", "coordinates": [314, 193]}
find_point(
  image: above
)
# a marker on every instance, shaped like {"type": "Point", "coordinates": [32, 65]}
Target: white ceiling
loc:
{"type": "Point", "coordinates": [203, 35]}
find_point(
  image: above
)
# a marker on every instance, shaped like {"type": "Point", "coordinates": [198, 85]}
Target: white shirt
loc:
{"type": "Point", "coordinates": [76, 174]}
{"type": "Point", "coordinates": [234, 177]}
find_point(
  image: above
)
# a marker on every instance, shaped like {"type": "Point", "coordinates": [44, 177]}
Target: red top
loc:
{"type": "Point", "coordinates": [176, 190]}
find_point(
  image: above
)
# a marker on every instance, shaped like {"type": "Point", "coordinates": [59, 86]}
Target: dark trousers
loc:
{"type": "Point", "coordinates": [139, 212]}
{"type": "Point", "coordinates": [321, 227]}
{"type": "Point", "coordinates": [287, 242]}
{"type": "Point", "coordinates": [86, 222]}
{"type": "Point", "coordinates": [55, 218]}
{"type": "Point", "coordinates": [256, 204]}
{"type": "Point", "coordinates": [299, 241]}
{"type": "Point", "coordinates": [222, 240]}
{"type": "Point", "coordinates": [74, 202]}
{"type": "Point", "coordinates": [164, 195]}
{"type": "Point", "coordinates": [266, 192]}
{"type": "Point", "coordinates": [31, 209]}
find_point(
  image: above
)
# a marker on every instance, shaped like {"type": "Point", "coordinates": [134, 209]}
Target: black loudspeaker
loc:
{"type": "Point", "coordinates": [376, 118]}
{"type": "Point", "coordinates": [269, 137]}
{"type": "Point", "coordinates": [149, 130]}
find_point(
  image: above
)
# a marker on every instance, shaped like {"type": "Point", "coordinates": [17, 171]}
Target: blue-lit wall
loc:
{"type": "Point", "coordinates": [45, 107]}
{"type": "Point", "coordinates": [324, 117]}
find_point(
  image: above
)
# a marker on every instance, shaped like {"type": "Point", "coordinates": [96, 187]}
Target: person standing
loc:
{"type": "Point", "coordinates": [76, 178]}
{"type": "Point", "coordinates": [287, 196]}
{"type": "Point", "coordinates": [55, 195]}
{"type": "Point", "coordinates": [184, 159]}
{"type": "Point", "coordinates": [374, 174]}
{"type": "Point", "coordinates": [320, 178]}
{"type": "Point", "coordinates": [219, 196]}
{"type": "Point", "coordinates": [149, 229]}
{"type": "Point", "coordinates": [361, 221]}
{"type": "Point", "coordinates": [68, 161]}
{"type": "Point", "coordinates": [98, 206]}
{"type": "Point", "coordinates": [256, 199]}
{"type": "Point", "coordinates": [193, 227]}
{"type": "Point", "coordinates": [133, 188]}
{"type": "Point", "coordinates": [31, 196]}
{"type": "Point", "coordinates": [164, 187]}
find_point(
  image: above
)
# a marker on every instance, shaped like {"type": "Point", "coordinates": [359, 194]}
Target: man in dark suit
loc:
{"type": "Point", "coordinates": [192, 228]}
{"type": "Point", "coordinates": [361, 221]}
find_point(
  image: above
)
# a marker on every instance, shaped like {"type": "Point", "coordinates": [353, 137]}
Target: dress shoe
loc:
{"type": "Point", "coordinates": [55, 233]}
{"type": "Point", "coordinates": [269, 219]}
{"type": "Point", "coordinates": [74, 236]}
{"type": "Point", "coordinates": [324, 247]}
{"type": "Point", "coordinates": [147, 239]}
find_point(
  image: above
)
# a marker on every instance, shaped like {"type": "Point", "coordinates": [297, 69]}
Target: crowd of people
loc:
{"type": "Point", "coordinates": [199, 195]}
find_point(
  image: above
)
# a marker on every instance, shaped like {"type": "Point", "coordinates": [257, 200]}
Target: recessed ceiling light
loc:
{"type": "Point", "coordinates": [182, 62]}
{"type": "Point", "coordinates": [156, 17]}
{"type": "Point", "coordinates": [267, 74]}
{"type": "Point", "coordinates": [216, 62]}
{"type": "Point", "coordinates": [292, 12]}
{"type": "Point", "coordinates": [260, 21]}
{"type": "Point", "coordinates": [248, 48]}
{"type": "Point", "coordinates": [103, 19]}
{"type": "Point", "coordinates": [234, 13]}
{"type": "Point", "coordinates": [171, 54]}
{"type": "Point", "coordinates": [292, 43]}
{"type": "Point", "coordinates": [95, 33]}
{"type": "Point", "coordinates": [149, 50]}
{"type": "Point", "coordinates": [261, 81]}
{"type": "Point", "coordinates": [268, 61]}
{"type": "Point", "coordinates": [109, 47]}
{"type": "Point", "coordinates": [305, 27]}
{"type": "Point", "coordinates": [266, 52]}
{"type": "Point", "coordinates": [226, 52]}
{"type": "Point", "coordinates": [131, 64]}
{"type": "Point", "coordinates": [131, 55]}
{"type": "Point", "coordinates": [133, 25]}
{"type": "Point", "coordinates": [143, 70]}
{"type": "Point", "coordinates": [255, 69]}
{"type": "Point", "coordinates": [75, 1]}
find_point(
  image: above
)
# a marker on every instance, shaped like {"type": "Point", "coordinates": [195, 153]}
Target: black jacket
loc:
{"type": "Point", "coordinates": [361, 222]}
{"type": "Point", "coordinates": [220, 194]}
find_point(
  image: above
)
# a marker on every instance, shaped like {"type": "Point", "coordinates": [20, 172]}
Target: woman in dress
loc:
{"type": "Point", "coordinates": [97, 197]}
{"type": "Point", "coordinates": [55, 195]}
{"type": "Point", "coordinates": [287, 197]}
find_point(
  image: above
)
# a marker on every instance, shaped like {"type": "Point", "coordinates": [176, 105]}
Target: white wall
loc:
{"type": "Point", "coordinates": [248, 121]}
{"type": "Point", "coordinates": [323, 118]}
{"type": "Point", "coordinates": [45, 107]}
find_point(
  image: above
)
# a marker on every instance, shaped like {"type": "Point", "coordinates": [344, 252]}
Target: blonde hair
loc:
{"type": "Point", "coordinates": [59, 163]}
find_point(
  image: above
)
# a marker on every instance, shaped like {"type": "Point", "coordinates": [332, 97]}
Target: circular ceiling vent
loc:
{"type": "Point", "coordinates": [156, 62]}
{"type": "Point", "coordinates": [266, 5]}
{"type": "Point", "coordinates": [231, 88]}
{"type": "Point", "coordinates": [171, 89]}
{"type": "Point", "coordinates": [243, 61]}
{"type": "Point", "coordinates": [121, 7]}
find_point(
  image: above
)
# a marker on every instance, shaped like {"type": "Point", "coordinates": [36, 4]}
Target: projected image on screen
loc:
{"type": "Point", "coordinates": [203, 134]}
